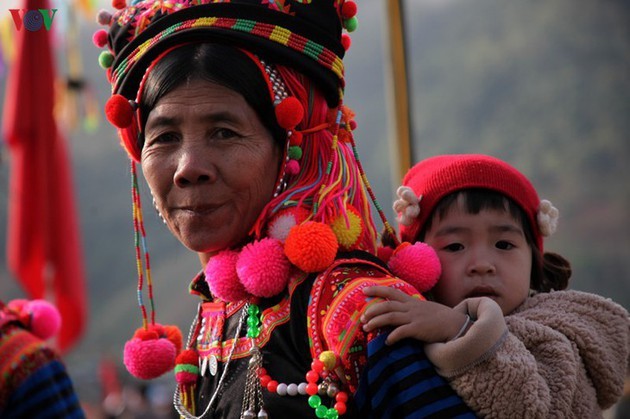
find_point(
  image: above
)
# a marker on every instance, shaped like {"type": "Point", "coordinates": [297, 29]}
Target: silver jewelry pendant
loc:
{"type": "Point", "coordinates": [204, 366]}
{"type": "Point", "coordinates": [262, 414]}
{"type": "Point", "coordinates": [249, 414]}
{"type": "Point", "coordinates": [213, 364]}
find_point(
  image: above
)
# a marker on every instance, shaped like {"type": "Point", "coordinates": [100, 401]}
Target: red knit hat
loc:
{"type": "Point", "coordinates": [436, 177]}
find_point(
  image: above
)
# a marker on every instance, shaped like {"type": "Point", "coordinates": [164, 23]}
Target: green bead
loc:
{"type": "Point", "coordinates": [295, 152]}
{"type": "Point", "coordinates": [252, 321]}
{"type": "Point", "coordinates": [253, 310]}
{"type": "Point", "coordinates": [332, 413]}
{"type": "Point", "coordinates": [321, 411]}
{"type": "Point", "coordinates": [315, 401]}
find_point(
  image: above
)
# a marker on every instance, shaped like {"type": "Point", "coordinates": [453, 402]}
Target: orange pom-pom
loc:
{"type": "Point", "coordinates": [311, 246]}
{"type": "Point", "coordinates": [289, 112]}
{"type": "Point", "coordinates": [174, 335]}
{"type": "Point", "coordinates": [119, 111]}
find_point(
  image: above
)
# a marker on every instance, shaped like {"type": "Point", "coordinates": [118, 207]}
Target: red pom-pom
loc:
{"type": "Point", "coordinates": [148, 359]}
{"type": "Point", "coordinates": [100, 38]}
{"type": "Point", "coordinates": [349, 9]}
{"type": "Point", "coordinates": [417, 264]}
{"type": "Point", "coordinates": [222, 278]}
{"type": "Point", "coordinates": [119, 4]}
{"type": "Point", "coordinates": [119, 111]}
{"type": "Point", "coordinates": [311, 246]}
{"type": "Point", "coordinates": [384, 253]}
{"type": "Point", "coordinates": [263, 268]}
{"type": "Point", "coordinates": [296, 138]}
{"type": "Point", "coordinates": [352, 124]}
{"type": "Point", "coordinates": [289, 112]}
{"type": "Point", "coordinates": [346, 41]}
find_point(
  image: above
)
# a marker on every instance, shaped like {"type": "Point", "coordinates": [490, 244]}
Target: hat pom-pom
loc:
{"type": "Point", "coordinates": [284, 221]}
{"type": "Point", "coordinates": [103, 18]}
{"type": "Point", "coordinates": [187, 367]}
{"type": "Point", "coordinates": [417, 264]}
{"type": "Point", "coordinates": [119, 111]}
{"type": "Point", "coordinates": [311, 246]}
{"type": "Point", "coordinates": [45, 318]}
{"type": "Point", "coordinates": [348, 231]}
{"type": "Point", "coordinates": [100, 38]}
{"type": "Point", "coordinates": [148, 355]}
{"type": "Point", "coordinates": [384, 253]}
{"type": "Point", "coordinates": [119, 4]}
{"type": "Point", "coordinates": [289, 112]}
{"type": "Point", "coordinates": [263, 268]}
{"type": "Point", "coordinates": [222, 278]}
{"type": "Point", "coordinates": [173, 334]}
{"type": "Point", "coordinates": [346, 41]}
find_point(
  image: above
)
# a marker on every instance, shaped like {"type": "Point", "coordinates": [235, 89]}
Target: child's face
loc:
{"type": "Point", "coordinates": [484, 254]}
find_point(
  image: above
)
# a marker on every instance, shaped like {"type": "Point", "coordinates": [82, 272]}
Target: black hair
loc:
{"type": "Point", "coordinates": [550, 271]}
{"type": "Point", "coordinates": [216, 63]}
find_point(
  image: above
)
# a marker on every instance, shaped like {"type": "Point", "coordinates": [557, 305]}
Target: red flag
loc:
{"type": "Point", "coordinates": [43, 249]}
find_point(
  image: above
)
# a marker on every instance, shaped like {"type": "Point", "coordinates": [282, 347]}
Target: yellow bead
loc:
{"type": "Point", "coordinates": [329, 359]}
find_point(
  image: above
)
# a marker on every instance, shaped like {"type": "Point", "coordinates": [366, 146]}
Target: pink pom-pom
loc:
{"type": "Point", "coordinates": [148, 359]}
{"type": "Point", "coordinates": [45, 318]}
{"type": "Point", "coordinates": [418, 264]}
{"type": "Point", "coordinates": [222, 278]}
{"type": "Point", "coordinates": [293, 167]}
{"type": "Point", "coordinates": [263, 267]}
{"type": "Point", "coordinates": [100, 38]}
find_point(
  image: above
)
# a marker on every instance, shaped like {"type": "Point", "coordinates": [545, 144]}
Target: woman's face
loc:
{"type": "Point", "coordinates": [210, 163]}
{"type": "Point", "coordinates": [482, 255]}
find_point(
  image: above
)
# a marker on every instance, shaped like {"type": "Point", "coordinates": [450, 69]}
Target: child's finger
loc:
{"type": "Point", "coordinates": [390, 319]}
{"type": "Point", "coordinates": [380, 308]}
{"type": "Point", "coordinates": [388, 293]}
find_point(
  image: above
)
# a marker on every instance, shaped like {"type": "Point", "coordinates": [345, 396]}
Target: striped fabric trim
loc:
{"type": "Point", "coordinates": [400, 382]}
{"type": "Point", "coordinates": [322, 55]}
{"type": "Point", "coordinates": [48, 393]}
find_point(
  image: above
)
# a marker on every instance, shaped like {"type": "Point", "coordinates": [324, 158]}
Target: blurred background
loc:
{"type": "Point", "coordinates": [544, 85]}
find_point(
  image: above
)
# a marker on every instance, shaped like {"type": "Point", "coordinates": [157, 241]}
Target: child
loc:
{"type": "Point", "coordinates": [501, 329]}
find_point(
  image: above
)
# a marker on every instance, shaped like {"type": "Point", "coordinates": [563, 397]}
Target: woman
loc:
{"type": "Point", "coordinates": [234, 111]}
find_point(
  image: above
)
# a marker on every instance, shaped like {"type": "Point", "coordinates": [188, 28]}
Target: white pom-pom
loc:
{"type": "Point", "coordinates": [407, 206]}
{"type": "Point", "coordinates": [547, 218]}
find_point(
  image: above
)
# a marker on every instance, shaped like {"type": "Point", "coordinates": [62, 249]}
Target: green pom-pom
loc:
{"type": "Point", "coordinates": [105, 59]}
{"type": "Point", "coordinates": [295, 152]}
{"type": "Point", "coordinates": [351, 24]}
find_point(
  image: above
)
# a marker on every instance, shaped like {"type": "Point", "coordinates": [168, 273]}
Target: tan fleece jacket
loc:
{"type": "Point", "coordinates": [562, 354]}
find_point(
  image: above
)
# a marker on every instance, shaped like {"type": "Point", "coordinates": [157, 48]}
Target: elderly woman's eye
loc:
{"type": "Point", "coordinates": [224, 133]}
{"type": "Point", "coordinates": [164, 138]}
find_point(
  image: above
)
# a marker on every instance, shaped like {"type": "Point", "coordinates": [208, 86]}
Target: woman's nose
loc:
{"type": "Point", "coordinates": [194, 167]}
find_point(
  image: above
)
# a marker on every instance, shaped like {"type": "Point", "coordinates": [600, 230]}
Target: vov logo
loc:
{"type": "Point", "coordinates": [34, 19]}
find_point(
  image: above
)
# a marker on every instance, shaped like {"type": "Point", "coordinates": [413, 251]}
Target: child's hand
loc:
{"type": "Point", "coordinates": [410, 317]}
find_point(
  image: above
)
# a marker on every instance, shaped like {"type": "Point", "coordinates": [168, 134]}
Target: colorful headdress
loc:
{"type": "Point", "coordinates": [434, 178]}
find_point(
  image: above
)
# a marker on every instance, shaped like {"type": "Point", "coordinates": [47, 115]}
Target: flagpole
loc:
{"type": "Point", "coordinates": [399, 113]}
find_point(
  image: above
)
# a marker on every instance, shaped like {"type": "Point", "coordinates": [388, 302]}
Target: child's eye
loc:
{"type": "Point", "coordinates": [504, 245]}
{"type": "Point", "coordinates": [454, 247]}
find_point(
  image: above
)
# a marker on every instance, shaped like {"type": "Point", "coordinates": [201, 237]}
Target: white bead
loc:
{"type": "Point", "coordinates": [282, 389]}
{"type": "Point", "coordinates": [302, 388]}
{"type": "Point", "coordinates": [292, 389]}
